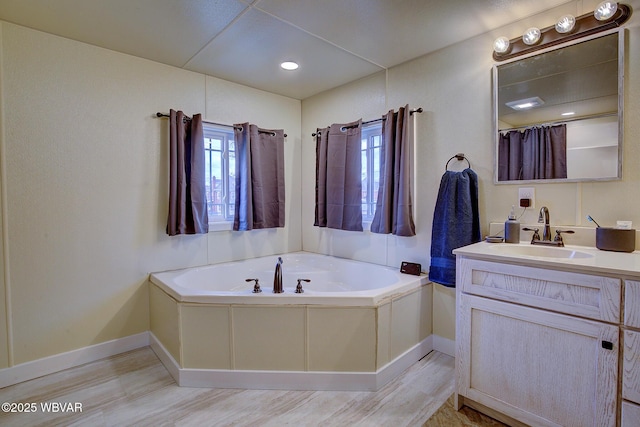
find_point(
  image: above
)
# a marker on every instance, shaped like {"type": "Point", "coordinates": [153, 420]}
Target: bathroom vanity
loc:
{"type": "Point", "coordinates": [548, 336]}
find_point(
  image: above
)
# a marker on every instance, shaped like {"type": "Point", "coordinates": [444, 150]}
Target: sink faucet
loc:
{"type": "Point", "coordinates": [544, 218]}
{"type": "Point", "coordinates": [546, 231]}
{"type": "Point", "coordinates": [277, 278]}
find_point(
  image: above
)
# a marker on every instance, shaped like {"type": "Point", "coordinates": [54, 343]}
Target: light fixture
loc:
{"type": "Point", "coordinates": [531, 36]}
{"type": "Point", "coordinates": [289, 65]}
{"type": "Point", "coordinates": [607, 16]}
{"type": "Point", "coordinates": [605, 10]}
{"type": "Point", "coordinates": [525, 104]}
{"type": "Point", "coordinates": [501, 44]}
{"type": "Point", "coordinates": [568, 113]}
{"type": "Point", "coordinates": [566, 24]}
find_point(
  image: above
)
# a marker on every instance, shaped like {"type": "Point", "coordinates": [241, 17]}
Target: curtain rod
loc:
{"type": "Point", "coordinates": [561, 122]}
{"type": "Point", "coordinates": [417, 110]}
{"type": "Point", "coordinates": [158, 114]}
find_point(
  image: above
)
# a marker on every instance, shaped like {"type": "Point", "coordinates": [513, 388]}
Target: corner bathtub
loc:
{"type": "Point", "coordinates": [355, 327]}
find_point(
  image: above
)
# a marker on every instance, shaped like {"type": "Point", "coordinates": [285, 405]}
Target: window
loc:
{"type": "Point", "coordinates": [220, 164]}
{"type": "Point", "coordinates": [220, 172]}
{"type": "Point", "coordinates": [370, 149]}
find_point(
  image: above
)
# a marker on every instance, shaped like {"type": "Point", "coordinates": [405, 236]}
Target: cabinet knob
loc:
{"type": "Point", "coordinates": [607, 345]}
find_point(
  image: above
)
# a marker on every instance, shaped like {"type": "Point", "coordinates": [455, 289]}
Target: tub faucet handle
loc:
{"type": "Point", "coordinates": [299, 289]}
{"type": "Point", "coordinates": [256, 286]}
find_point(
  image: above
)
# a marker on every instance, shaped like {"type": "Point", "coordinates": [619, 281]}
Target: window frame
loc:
{"type": "Point", "coordinates": [370, 148]}
{"type": "Point", "coordinates": [226, 154]}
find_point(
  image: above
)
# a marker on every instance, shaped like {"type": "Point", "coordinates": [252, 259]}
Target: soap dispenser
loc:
{"type": "Point", "coordinates": [512, 228]}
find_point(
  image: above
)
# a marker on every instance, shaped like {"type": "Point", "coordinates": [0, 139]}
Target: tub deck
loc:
{"type": "Point", "coordinates": [335, 281]}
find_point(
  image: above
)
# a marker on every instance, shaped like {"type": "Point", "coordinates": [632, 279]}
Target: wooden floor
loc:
{"type": "Point", "coordinates": [135, 389]}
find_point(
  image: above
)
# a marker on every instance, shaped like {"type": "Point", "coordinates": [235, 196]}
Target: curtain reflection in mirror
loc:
{"type": "Point", "coordinates": [535, 153]}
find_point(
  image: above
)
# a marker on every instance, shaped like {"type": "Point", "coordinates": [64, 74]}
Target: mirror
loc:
{"type": "Point", "coordinates": [575, 92]}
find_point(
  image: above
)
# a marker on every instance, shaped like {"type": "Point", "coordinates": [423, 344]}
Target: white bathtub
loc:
{"type": "Point", "coordinates": [335, 281]}
{"type": "Point", "coordinates": [355, 327]}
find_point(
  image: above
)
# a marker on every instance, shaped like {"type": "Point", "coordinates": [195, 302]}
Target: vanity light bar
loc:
{"type": "Point", "coordinates": [584, 25]}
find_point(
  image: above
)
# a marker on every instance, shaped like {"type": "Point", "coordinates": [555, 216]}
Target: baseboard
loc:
{"type": "Point", "coordinates": [290, 380]}
{"type": "Point", "coordinates": [444, 345]}
{"type": "Point", "coordinates": [277, 380]}
{"type": "Point", "coordinates": [48, 365]}
{"type": "Point", "coordinates": [402, 362]}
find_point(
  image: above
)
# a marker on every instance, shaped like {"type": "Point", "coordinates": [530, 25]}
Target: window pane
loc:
{"type": "Point", "coordinates": [232, 182]}
{"type": "Point", "coordinates": [219, 165]}
{"type": "Point", "coordinates": [216, 144]}
{"type": "Point", "coordinates": [376, 174]}
{"type": "Point", "coordinates": [365, 181]}
{"type": "Point", "coordinates": [213, 176]}
{"type": "Point", "coordinates": [371, 141]}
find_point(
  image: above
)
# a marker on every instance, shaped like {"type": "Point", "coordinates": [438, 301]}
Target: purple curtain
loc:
{"type": "Point", "coordinates": [394, 206]}
{"type": "Point", "coordinates": [510, 156]}
{"type": "Point", "coordinates": [259, 178]}
{"type": "Point", "coordinates": [535, 153]}
{"type": "Point", "coordinates": [338, 177]}
{"type": "Point", "coordinates": [322, 141]}
{"type": "Point", "coordinates": [187, 196]}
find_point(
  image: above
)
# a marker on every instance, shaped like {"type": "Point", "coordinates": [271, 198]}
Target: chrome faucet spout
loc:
{"type": "Point", "coordinates": [277, 278]}
{"type": "Point", "coordinates": [544, 218]}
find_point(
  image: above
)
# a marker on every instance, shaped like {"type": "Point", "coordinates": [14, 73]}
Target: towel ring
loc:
{"type": "Point", "coordinates": [460, 157]}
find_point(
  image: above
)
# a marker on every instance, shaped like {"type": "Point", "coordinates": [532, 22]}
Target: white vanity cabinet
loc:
{"type": "Point", "coordinates": [631, 356]}
{"type": "Point", "coordinates": [540, 346]}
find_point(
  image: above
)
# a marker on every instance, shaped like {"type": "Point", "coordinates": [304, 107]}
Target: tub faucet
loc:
{"type": "Point", "coordinates": [544, 218]}
{"type": "Point", "coordinates": [277, 278]}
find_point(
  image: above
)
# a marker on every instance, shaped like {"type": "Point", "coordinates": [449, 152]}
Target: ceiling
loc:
{"type": "Point", "coordinates": [334, 41]}
{"type": "Point", "coordinates": [582, 78]}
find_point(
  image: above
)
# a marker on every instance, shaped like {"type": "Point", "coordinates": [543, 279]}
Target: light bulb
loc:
{"type": "Point", "coordinates": [566, 24]}
{"type": "Point", "coordinates": [605, 10]}
{"type": "Point", "coordinates": [501, 45]}
{"type": "Point", "coordinates": [531, 36]}
{"type": "Point", "coordinates": [289, 65]}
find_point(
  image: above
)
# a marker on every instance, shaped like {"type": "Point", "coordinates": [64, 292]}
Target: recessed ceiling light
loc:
{"type": "Point", "coordinates": [289, 65]}
{"type": "Point", "coordinates": [568, 113]}
{"type": "Point", "coordinates": [525, 104]}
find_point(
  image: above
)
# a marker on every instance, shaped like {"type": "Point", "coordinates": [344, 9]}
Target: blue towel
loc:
{"type": "Point", "coordinates": [456, 223]}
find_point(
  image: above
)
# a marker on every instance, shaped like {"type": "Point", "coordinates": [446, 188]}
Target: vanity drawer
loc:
{"type": "Point", "coordinates": [630, 415]}
{"type": "Point", "coordinates": [631, 366]}
{"type": "Point", "coordinates": [578, 294]}
{"type": "Point", "coordinates": [632, 303]}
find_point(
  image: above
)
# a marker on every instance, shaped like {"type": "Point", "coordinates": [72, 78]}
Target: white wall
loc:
{"type": "Point", "coordinates": [85, 188]}
{"type": "Point", "coordinates": [592, 148]}
{"type": "Point", "coordinates": [453, 86]}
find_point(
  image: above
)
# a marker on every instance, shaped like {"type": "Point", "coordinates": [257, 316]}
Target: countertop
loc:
{"type": "Point", "coordinates": [607, 262]}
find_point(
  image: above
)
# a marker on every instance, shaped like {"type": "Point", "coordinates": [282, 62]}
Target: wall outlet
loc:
{"type": "Point", "coordinates": [524, 194]}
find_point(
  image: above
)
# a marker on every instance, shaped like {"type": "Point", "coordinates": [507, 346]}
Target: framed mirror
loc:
{"type": "Point", "coordinates": [558, 113]}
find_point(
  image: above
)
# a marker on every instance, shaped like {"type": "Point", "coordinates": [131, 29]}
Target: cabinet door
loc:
{"type": "Point", "coordinates": [632, 304]}
{"type": "Point", "coordinates": [631, 367]}
{"type": "Point", "coordinates": [630, 415]}
{"type": "Point", "coordinates": [538, 367]}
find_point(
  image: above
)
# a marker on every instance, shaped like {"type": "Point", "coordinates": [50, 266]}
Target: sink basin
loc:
{"type": "Point", "coordinates": [540, 251]}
